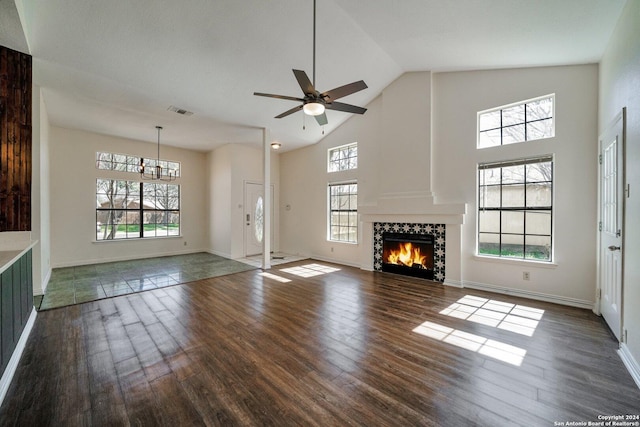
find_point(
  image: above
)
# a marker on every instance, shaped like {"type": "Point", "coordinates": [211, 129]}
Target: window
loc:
{"type": "Point", "coordinates": [515, 209]}
{"type": "Point", "coordinates": [343, 158]}
{"type": "Point", "coordinates": [127, 163]}
{"type": "Point", "coordinates": [133, 210]}
{"type": "Point", "coordinates": [343, 212]}
{"type": "Point", "coordinates": [515, 123]}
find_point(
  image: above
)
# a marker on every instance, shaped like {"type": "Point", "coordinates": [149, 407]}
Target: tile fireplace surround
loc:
{"type": "Point", "coordinates": [436, 230]}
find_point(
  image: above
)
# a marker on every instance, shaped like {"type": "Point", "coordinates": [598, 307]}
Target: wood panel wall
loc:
{"type": "Point", "coordinates": [15, 140]}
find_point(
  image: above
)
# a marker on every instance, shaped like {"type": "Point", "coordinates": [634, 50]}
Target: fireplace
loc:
{"type": "Point", "coordinates": [408, 254]}
{"type": "Point", "coordinates": [430, 238]}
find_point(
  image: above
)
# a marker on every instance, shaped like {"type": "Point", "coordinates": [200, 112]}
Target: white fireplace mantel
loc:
{"type": "Point", "coordinates": [420, 208]}
{"type": "Point", "coordinates": [412, 207]}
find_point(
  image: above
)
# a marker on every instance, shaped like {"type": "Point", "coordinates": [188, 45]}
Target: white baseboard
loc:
{"type": "Point", "coordinates": [126, 258]}
{"type": "Point", "coordinates": [556, 299]}
{"type": "Point", "coordinates": [334, 261]}
{"type": "Point", "coordinates": [453, 283]}
{"type": "Point", "coordinates": [218, 253]}
{"type": "Point", "coordinates": [10, 370]}
{"type": "Point", "coordinates": [630, 362]}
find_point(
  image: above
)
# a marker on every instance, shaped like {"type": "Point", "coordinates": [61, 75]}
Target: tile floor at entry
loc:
{"type": "Point", "coordinates": [74, 285]}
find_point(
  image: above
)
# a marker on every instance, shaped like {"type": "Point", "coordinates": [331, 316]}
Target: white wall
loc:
{"type": "Point", "coordinates": [40, 194]}
{"type": "Point", "coordinates": [457, 99]}
{"type": "Point", "coordinates": [620, 87]}
{"type": "Point", "coordinates": [404, 135]}
{"type": "Point", "coordinates": [246, 166]}
{"type": "Point", "coordinates": [73, 185]}
{"type": "Point", "coordinates": [419, 136]}
{"type": "Point", "coordinates": [393, 136]}
{"type": "Point", "coordinates": [229, 168]}
{"type": "Point", "coordinates": [304, 180]}
{"type": "Point", "coordinates": [219, 200]}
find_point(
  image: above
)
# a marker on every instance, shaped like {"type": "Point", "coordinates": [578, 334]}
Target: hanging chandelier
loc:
{"type": "Point", "coordinates": [156, 172]}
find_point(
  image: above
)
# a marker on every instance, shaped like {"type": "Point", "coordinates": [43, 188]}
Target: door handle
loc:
{"type": "Point", "coordinates": [614, 248]}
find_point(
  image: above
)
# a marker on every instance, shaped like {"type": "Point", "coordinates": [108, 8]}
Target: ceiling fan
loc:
{"type": "Point", "coordinates": [314, 103]}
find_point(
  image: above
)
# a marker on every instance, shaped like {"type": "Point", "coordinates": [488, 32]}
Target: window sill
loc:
{"type": "Point", "coordinates": [342, 242]}
{"type": "Point", "coordinates": [137, 239]}
{"type": "Point", "coordinates": [511, 261]}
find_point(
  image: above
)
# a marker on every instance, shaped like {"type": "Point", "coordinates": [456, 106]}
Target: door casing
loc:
{"type": "Point", "coordinates": [611, 202]}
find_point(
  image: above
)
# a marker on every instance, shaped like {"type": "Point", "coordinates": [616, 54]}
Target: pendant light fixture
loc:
{"type": "Point", "coordinates": [156, 172]}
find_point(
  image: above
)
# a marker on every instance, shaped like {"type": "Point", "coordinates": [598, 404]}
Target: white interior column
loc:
{"type": "Point", "coordinates": [266, 237]}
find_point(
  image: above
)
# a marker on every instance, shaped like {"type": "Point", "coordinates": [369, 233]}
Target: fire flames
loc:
{"type": "Point", "coordinates": [407, 255]}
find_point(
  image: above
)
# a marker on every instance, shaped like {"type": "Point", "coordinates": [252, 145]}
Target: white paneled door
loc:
{"type": "Point", "coordinates": [611, 224]}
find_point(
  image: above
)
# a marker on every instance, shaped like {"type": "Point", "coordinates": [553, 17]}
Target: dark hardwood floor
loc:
{"type": "Point", "coordinates": [331, 346]}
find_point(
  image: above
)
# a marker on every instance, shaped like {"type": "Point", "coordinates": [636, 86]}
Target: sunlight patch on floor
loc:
{"type": "Point", "coordinates": [310, 270]}
{"type": "Point", "coordinates": [274, 277]}
{"type": "Point", "coordinates": [277, 258]}
{"type": "Point", "coordinates": [491, 348]}
{"type": "Point", "coordinates": [498, 314]}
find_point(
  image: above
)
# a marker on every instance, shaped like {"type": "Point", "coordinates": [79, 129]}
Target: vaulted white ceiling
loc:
{"type": "Point", "coordinates": [116, 66]}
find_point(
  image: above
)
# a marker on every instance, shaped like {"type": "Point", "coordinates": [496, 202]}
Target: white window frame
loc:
{"type": "Point", "coordinates": [342, 148]}
{"type": "Point", "coordinates": [133, 199]}
{"type": "Point", "coordinates": [355, 227]}
{"type": "Point", "coordinates": [523, 209]}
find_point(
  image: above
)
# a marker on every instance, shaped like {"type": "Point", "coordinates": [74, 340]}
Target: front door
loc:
{"type": "Point", "coordinates": [611, 224]}
{"type": "Point", "coordinates": [254, 217]}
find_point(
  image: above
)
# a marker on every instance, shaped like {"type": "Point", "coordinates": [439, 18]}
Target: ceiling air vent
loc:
{"type": "Point", "coordinates": [180, 111]}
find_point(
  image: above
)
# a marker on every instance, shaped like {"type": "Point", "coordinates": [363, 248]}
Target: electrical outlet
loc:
{"type": "Point", "coordinates": [526, 275]}
{"type": "Point", "coordinates": [331, 248]}
{"type": "Point", "coordinates": [185, 243]}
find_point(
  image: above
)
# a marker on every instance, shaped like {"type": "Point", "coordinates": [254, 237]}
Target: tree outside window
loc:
{"type": "Point", "coordinates": [343, 212]}
{"type": "Point", "coordinates": [121, 212]}
{"type": "Point", "coordinates": [515, 206]}
{"type": "Point", "coordinates": [525, 121]}
{"type": "Point", "coordinates": [343, 158]}
{"type": "Point", "coordinates": [129, 163]}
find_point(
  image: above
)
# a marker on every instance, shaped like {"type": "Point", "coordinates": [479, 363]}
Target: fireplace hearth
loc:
{"type": "Point", "coordinates": [408, 254]}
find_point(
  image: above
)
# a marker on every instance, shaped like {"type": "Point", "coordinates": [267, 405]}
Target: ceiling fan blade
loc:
{"type": "Point", "coordinates": [347, 108]}
{"type": "Point", "coordinates": [270, 95]}
{"type": "Point", "coordinates": [339, 92]}
{"type": "Point", "coordinates": [304, 82]}
{"type": "Point", "coordinates": [322, 119]}
{"type": "Point", "coordinates": [291, 111]}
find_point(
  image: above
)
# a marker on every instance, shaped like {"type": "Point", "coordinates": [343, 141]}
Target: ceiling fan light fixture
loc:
{"type": "Point", "coordinates": [313, 109]}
